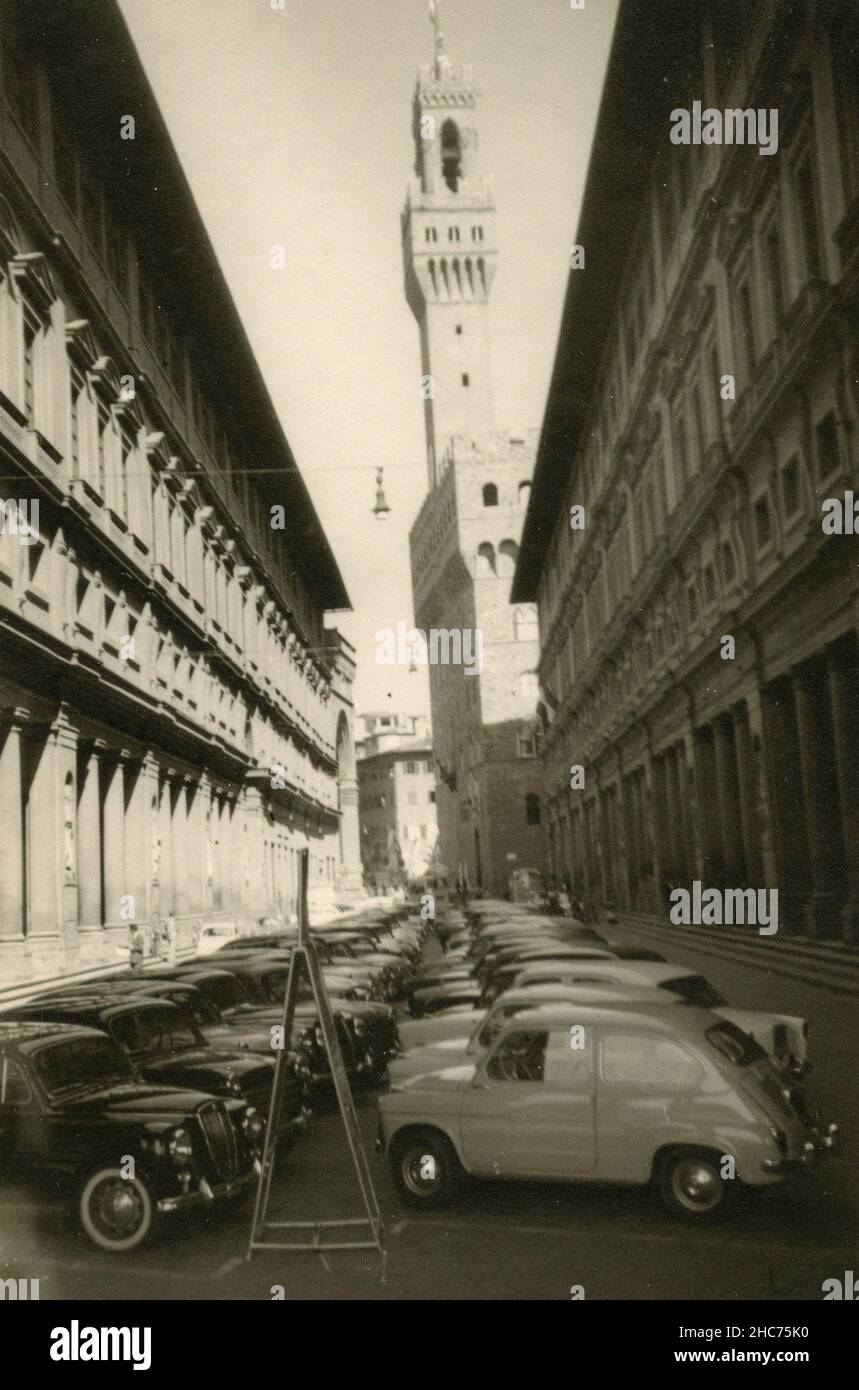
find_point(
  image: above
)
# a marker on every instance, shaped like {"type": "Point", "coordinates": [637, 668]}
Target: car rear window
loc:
{"type": "Point", "coordinates": [694, 989]}
{"type": "Point", "coordinates": [739, 1047]}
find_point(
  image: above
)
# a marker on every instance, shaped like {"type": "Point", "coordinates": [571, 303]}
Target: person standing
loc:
{"type": "Point", "coordinates": [135, 947]}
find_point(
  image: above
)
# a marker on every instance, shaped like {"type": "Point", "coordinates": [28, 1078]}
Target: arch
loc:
{"type": "Point", "coordinates": [484, 567]}
{"type": "Point", "coordinates": [445, 279]}
{"type": "Point", "coordinates": [469, 275]}
{"type": "Point", "coordinates": [490, 495]}
{"type": "Point", "coordinates": [481, 270]}
{"type": "Point", "coordinates": [508, 553]}
{"type": "Point", "coordinates": [458, 277]}
{"type": "Point", "coordinates": [451, 155]}
{"type": "Point", "coordinates": [432, 276]}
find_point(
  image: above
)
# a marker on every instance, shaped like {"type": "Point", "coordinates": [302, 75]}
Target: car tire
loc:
{"type": "Point", "coordinates": [691, 1185]}
{"type": "Point", "coordinates": [425, 1168]}
{"type": "Point", "coordinates": [117, 1214]}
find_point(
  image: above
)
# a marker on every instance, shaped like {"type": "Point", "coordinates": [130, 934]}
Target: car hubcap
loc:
{"type": "Point", "coordinates": [117, 1208]}
{"type": "Point", "coordinates": [421, 1172]}
{"type": "Point", "coordinates": [697, 1185]}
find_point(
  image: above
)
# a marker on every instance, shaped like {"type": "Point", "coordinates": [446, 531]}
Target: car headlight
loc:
{"type": "Point", "coordinates": [234, 1086]}
{"type": "Point", "coordinates": [253, 1125]}
{"type": "Point", "coordinates": [359, 1026]}
{"type": "Point", "coordinates": [180, 1148]}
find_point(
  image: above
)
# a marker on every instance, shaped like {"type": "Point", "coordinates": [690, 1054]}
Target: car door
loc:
{"type": "Point", "coordinates": [646, 1093]}
{"type": "Point", "coordinates": [530, 1110]}
{"type": "Point", "coordinates": [21, 1121]}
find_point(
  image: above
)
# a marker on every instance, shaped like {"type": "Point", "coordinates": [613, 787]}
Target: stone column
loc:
{"type": "Point", "coordinates": [180, 846]}
{"type": "Point", "coordinates": [729, 803]}
{"type": "Point", "coordinates": [820, 790]}
{"type": "Point", "coordinates": [693, 853]}
{"type": "Point", "coordinates": [12, 826]}
{"type": "Point", "coordinates": [165, 837]}
{"type": "Point", "coordinates": [89, 846]}
{"type": "Point", "coordinates": [749, 788]}
{"type": "Point", "coordinates": [709, 807]}
{"type": "Point", "coordinates": [844, 698]}
{"type": "Point", "coordinates": [138, 840]}
{"type": "Point", "coordinates": [350, 838]}
{"type": "Point", "coordinates": [45, 841]}
{"type": "Point", "coordinates": [115, 889]}
{"type": "Point", "coordinates": [195, 850]}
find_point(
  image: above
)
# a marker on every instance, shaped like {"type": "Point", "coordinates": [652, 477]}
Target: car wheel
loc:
{"type": "Point", "coordinates": [117, 1213]}
{"type": "Point", "coordinates": [691, 1185]}
{"type": "Point", "coordinates": [425, 1168]}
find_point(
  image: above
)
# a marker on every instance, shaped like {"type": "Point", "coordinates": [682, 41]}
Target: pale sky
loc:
{"type": "Point", "coordinates": [294, 127]}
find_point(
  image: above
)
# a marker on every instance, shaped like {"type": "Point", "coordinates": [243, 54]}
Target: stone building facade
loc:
{"type": "Point", "coordinates": [465, 540]}
{"type": "Point", "coordinates": [397, 800]}
{"type": "Point", "coordinates": [173, 709]}
{"type": "Point", "coordinates": [704, 406]}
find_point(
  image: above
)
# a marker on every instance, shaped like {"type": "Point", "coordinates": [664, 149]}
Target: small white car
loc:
{"type": "Point", "coordinates": [576, 1093]}
{"type": "Point", "coordinates": [214, 935]}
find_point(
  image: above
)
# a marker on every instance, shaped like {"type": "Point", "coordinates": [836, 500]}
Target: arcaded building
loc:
{"type": "Point", "coordinates": [703, 408]}
{"type": "Point", "coordinates": [175, 716]}
{"type": "Point", "coordinates": [465, 540]}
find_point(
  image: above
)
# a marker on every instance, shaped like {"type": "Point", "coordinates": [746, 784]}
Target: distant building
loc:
{"type": "Point", "coordinates": [699, 650]}
{"type": "Point", "coordinates": [465, 540]}
{"type": "Point", "coordinates": [397, 799]}
{"type": "Point", "coordinates": [174, 716]}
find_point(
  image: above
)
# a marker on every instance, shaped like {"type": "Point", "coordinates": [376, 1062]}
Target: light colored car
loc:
{"type": "Point", "coordinates": [570, 1092]}
{"type": "Point", "coordinates": [214, 935]}
{"type": "Point", "coordinates": [475, 1031]}
{"type": "Point", "coordinates": [783, 1036]}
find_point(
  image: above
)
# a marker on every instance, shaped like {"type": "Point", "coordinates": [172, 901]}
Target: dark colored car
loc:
{"type": "Point", "coordinates": [165, 1045]}
{"type": "Point", "coordinates": [74, 1111]}
{"type": "Point", "coordinates": [451, 994]}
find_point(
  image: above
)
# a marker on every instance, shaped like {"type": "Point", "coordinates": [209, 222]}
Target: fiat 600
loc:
{"type": "Point", "coordinates": [591, 1094]}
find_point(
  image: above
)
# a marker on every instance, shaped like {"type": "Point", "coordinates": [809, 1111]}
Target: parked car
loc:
{"type": "Point", "coordinates": [166, 1047]}
{"type": "Point", "coordinates": [72, 1105]}
{"type": "Point", "coordinates": [445, 996]}
{"type": "Point", "coordinates": [657, 1097]}
{"type": "Point", "coordinates": [504, 974]}
{"type": "Point", "coordinates": [214, 935]}
{"type": "Point", "coordinates": [783, 1036]}
{"type": "Point", "coordinates": [468, 1036]}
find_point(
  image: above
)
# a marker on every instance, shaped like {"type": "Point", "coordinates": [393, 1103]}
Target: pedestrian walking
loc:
{"type": "Point", "coordinates": [135, 946]}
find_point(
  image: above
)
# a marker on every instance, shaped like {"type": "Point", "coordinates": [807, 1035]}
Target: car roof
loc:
{"type": "Point", "coordinates": [660, 1019]}
{"type": "Point", "coordinates": [27, 1035]}
{"type": "Point", "coordinates": [536, 995]}
{"type": "Point", "coordinates": [106, 1006]}
{"type": "Point", "coordinates": [629, 972]}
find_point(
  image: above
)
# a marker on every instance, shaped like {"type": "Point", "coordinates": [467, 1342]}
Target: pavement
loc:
{"type": "Point", "coordinates": [501, 1241]}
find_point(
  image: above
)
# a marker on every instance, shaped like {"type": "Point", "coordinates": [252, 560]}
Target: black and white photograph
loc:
{"type": "Point", "coordinates": [429, 664]}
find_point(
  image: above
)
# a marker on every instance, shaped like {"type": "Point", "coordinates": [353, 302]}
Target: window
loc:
{"type": "Point", "coordinates": [525, 743]}
{"type": "Point", "coordinates": [430, 234]}
{"type": "Point", "coordinates": [453, 234]}
{"type": "Point", "coordinates": [485, 561]}
{"type": "Point", "coordinates": [31, 337]}
{"type": "Point", "coordinates": [459, 329]}
{"type": "Point", "coordinates": [520, 1057]}
{"type": "Point", "coordinates": [772, 258]}
{"type": "Point", "coordinates": [410, 767]}
{"type": "Point", "coordinates": [729, 564]}
{"type": "Point", "coordinates": [490, 495]}
{"type": "Point", "coordinates": [451, 155]}
{"type": "Point", "coordinates": [763, 525]}
{"type": "Point", "coordinates": [465, 379]}
{"type": "Point", "coordinates": [826, 439]}
{"type": "Point", "coordinates": [532, 809]}
{"type": "Point", "coordinates": [432, 798]}
{"type": "Point", "coordinates": [806, 198]}
{"type": "Point", "coordinates": [524, 494]}
{"type": "Point", "coordinates": [790, 487]}
{"type": "Point", "coordinates": [14, 1087]}
{"type": "Point", "coordinates": [630, 1060]}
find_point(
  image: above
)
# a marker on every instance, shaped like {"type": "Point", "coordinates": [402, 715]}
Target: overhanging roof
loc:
{"type": "Point", "coordinates": [650, 41]}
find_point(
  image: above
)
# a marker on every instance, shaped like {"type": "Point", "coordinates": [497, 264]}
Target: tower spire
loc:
{"type": "Point", "coordinates": [441, 59]}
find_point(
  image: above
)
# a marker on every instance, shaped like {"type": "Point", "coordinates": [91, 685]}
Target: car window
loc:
{"type": "Point", "coordinates": [739, 1047]}
{"type": "Point", "coordinates": [520, 1057]}
{"type": "Point", "coordinates": [694, 989]}
{"type": "Point", "coordinates": [630, 1059]}
{"type": "Point", "coordinates": [14, 1086]}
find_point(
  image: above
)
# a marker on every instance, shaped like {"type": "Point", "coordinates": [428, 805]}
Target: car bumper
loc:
{"type": "Point", "coordinates": [822, 1143]}
{"type": "Point", "coordinates": [204, 1194]}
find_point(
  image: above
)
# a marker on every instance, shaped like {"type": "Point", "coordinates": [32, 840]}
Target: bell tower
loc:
{"type": "Point", "coordinates": [449, 255]}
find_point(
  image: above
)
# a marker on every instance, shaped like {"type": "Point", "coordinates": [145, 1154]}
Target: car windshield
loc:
{"type": "Point", "coordinates": [739, 1047]}
{"type": "Point", "coordinates": [79, 1062]}
{"type": "Point", "coordinates": [694, 989]}
{"type": "Point", "coordinates": [153, 1032]}
{"type": "Point", "coordinates": [227, 992]}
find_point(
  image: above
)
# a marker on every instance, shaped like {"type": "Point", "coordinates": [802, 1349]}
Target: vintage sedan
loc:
{"type": "Point", "coordinates": [448, 994]}
{"type": "Point", "coordinates": [74, 1111]}
{"type": "Point", "coordinates": [166, 1046]}
{"type": "Point", "coordinates": [590, 1094]}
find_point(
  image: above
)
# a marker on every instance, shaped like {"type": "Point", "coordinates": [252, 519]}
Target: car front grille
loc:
{"type": "Point", "coordinates": [221, 1141]}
